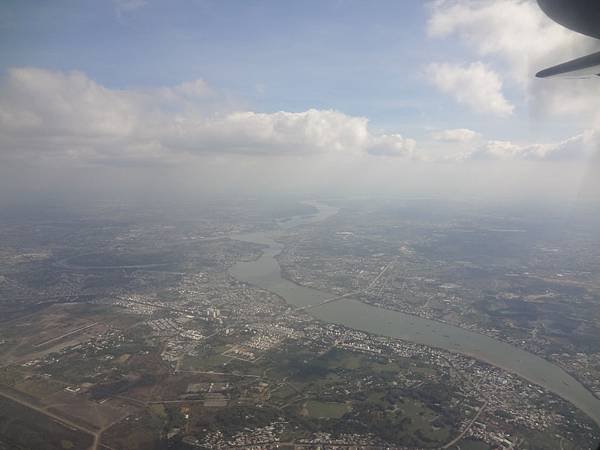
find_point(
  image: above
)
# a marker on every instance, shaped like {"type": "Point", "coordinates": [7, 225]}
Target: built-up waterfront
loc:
{"type": "Point", "coordinates": [265, 272]}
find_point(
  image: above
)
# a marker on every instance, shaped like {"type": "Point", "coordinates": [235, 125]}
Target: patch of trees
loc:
{"type": "Point", "coordinates": [234, 419]}
{"type": "Point", "coordinates": [372, 418]}
{"type": "Point", "coordinates": [105, 390]}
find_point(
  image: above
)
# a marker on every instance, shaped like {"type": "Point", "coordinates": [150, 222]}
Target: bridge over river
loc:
{"type": "Point", "coordinates": [265, 272]}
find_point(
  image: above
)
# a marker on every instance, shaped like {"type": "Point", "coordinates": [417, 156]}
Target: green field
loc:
{"type": "Point", "coordinates": [347, 360]}
{"type": "Point", "coordinates": [326, 410]}
{"type": "Point", "coordinates": [469, 444]}
{"type": "Point", "coordinates": [24, 428]}
{"type": "Point", "coordinates": [212, 362]}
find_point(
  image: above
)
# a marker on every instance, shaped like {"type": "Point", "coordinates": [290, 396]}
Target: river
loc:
{"type": "Point", "coordinates": [265, 272]}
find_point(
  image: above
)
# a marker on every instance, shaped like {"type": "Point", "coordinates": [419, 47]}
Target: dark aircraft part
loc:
{"type": "Point", "coordinates": [581, 67]}
{"type": "Point", "coordinates": [582, 16]}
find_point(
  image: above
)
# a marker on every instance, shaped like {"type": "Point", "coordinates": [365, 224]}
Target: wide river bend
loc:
{"type": "Point", "coordinates": [265, 272]}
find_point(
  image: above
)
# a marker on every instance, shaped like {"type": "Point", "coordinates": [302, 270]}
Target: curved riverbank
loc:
{"type": "Point", "coordinates": [265, 272]}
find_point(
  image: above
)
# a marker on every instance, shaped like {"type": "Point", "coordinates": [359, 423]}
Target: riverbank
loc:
{"type": "Point", "coordinates": [265, 272]}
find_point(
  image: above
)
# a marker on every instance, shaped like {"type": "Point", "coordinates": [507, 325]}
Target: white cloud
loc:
{"type": "Point", "coordinates": [455, 135]}
{"type": "Point", "coordinates": [124, 6]}
{"type": "Point", "coordinates": [37, 102]}
{"type": "Point", "coordinates": [67, 115]}
{"type": "Point", "coordinates": [524, 40]}
{"type": "Point", "coordinates": [580, 147]}
{"type": "Point", "coordinates": [312, 131]}
{"type": "Point", "coordinates": [518, 37]}
{"type": "Point", "coordinates": [391, 145]}
{"type": "Point", "coordinates": [476, 86]}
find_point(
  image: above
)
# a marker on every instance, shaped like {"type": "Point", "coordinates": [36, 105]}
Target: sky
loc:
{"type": "Point", "coordinates": [209, 96]}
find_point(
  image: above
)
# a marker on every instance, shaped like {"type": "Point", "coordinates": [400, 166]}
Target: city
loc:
{"type": "Point", "coordinates": [182, 353]}
{"type": "Point", "coordinates": [299, 225]}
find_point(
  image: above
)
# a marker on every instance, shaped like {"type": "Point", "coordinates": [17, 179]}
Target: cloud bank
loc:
{"type": "Point", "coordinates": [455, 135]}
{"type": "Point", "coordinates": [48, 114]}
{"type": "Point", "coordinates": [67, 118]}
{"type": "Point", "coordinates": [579, 147]}
{"type": "Point", "coordinates": [520, 38]}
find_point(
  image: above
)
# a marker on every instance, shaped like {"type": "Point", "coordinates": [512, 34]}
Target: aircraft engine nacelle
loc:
{"type": "Point", "coordinates": [582, 16]}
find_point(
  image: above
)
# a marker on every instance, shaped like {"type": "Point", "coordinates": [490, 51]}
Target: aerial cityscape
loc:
{"type": "Point", "coordinates": [136, 332]}
{"type": "Point", "coordinates": [299, 225]}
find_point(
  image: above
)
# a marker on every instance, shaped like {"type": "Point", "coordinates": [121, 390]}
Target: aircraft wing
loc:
{"type": "Point", "coordinates": [584, 67]}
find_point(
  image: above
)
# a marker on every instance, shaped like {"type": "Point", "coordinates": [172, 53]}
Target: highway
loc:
{"type": "Point", "coordinates": [349, 294]}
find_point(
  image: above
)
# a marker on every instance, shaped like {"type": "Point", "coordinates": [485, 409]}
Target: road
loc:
{"type": "Point", "coordinates": [329, 300]}
{"type": "Point", "coordinates": [65, 422]}
{"type": "Point", "coordinates": [469, 425]}
{"type": "Point", "coordinates": [69, 333]}
{"type": "Point", "coordinates": [376, 279]}
{"type": "Point", "coordinates": [475, 387]}
{"type": "Point", "coordinates": [96, 434]}
{"type": "Point", "coordinates": [349, 294]}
